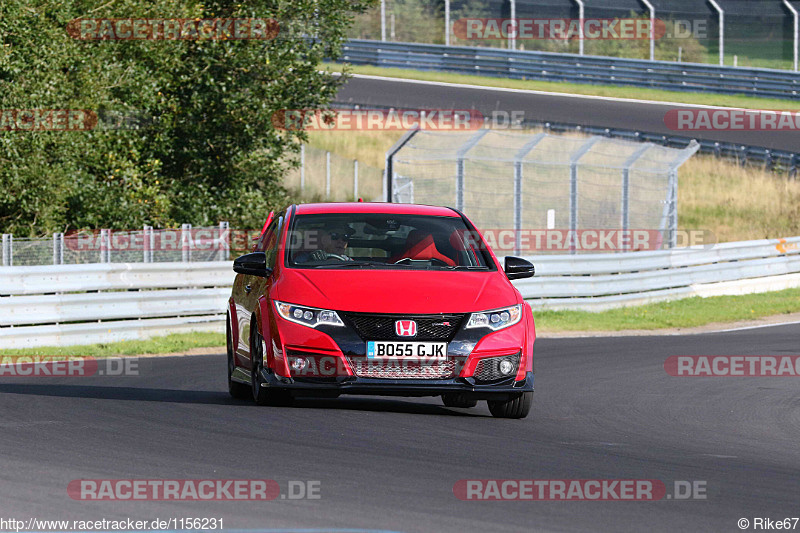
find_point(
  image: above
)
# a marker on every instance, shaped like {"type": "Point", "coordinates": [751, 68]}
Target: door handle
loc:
{"type": "Point", "coordinates": [247, 289]}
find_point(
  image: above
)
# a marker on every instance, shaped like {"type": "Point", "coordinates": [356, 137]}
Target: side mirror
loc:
{"type": "Point", "coordinates": [254, 264]}
{"type": "Point", "coordinates": [518, 268]}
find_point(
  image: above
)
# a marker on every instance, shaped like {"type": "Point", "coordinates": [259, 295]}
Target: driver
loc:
{"type": "Point", "coordinates": [333, 242]}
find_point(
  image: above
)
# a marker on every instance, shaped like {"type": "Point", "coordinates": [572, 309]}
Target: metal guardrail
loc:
{"type": "Point", "coordinates": [574, 68]}
{"type": "Point", "coordinates": [603, 281]}
{"type": "Point", "coordinates": [60, 304]}
{"type": "Point", "coordinates": [57, 305]}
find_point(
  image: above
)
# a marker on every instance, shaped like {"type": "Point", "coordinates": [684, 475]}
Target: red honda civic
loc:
{"type": "Point", "coordinates": [379, 299]}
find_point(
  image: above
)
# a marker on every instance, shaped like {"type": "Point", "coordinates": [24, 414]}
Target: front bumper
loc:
{"type": "Point", "coordinates": [331, 387]}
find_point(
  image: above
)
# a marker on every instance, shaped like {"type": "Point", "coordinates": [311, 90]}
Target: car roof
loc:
{"type": "Point", "coordinates": [376, 207]}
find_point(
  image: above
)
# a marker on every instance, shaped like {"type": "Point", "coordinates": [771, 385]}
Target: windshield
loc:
{"type": "Point", "coordinates": [374, 240]}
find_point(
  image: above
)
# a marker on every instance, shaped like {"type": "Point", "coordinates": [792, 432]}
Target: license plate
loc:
{"type": "Point", "coordinates": [406, 350]}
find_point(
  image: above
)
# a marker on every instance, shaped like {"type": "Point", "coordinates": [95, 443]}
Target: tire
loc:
{"type": "Point", "coordinates": [517, 407]}
{"type": "Point", "coordinates": [238, 390]}
{"type": "Point", "coordinates": [457, 399]}
{"type": "Point", "coordinates": [263, 395]}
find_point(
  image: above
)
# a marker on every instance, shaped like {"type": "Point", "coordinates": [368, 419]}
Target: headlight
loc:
{"type": "Point", "coordinates": [497, 319]}
{"type": "Point", "coordinates": [308, 316]}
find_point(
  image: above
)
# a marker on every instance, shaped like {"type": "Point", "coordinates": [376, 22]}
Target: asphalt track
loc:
{"type": "Point", "coordinates": [574, 109]}
{"type": "Point", "coordinates": [604, 409]}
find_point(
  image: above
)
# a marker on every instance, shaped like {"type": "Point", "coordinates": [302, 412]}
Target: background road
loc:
{"type": "Point", "coordinates": [604, 408]}
{"type": "Point", "coordinates": [590, 111]}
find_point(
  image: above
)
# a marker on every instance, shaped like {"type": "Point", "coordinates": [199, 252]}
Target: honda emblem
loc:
{"type": "Point", "coordinates": [405, 328]}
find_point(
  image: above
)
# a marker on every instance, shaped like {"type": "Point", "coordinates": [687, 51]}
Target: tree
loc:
{"type": "Point", "coordinates": [184, 130]}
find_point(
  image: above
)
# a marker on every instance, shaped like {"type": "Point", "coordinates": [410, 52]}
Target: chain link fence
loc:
{"type": "Point", "coordinates": [148, 245]}
{"type": "Point", "coordinates": [326, 176]}
{"type": "Point", "coordinates": [546, 193]}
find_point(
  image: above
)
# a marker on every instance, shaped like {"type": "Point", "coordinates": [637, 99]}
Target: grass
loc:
{"type": "Point", "coordinates": [737, 203]}
{"type": "Point", "coordinates": [177, 342]}
{"type": "Point", "coordinates": [742, 101]}
{"type": "Point", "coordinates": [686, 313]}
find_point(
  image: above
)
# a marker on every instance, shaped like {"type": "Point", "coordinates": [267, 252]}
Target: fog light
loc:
{"type": "Point", "coordinates": [506, 367]}
{"type": "Point", "coordinates": [299, 363]}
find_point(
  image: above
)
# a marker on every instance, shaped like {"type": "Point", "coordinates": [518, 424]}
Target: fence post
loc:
{"type": "Point", "coordinates": [447, 22]}
{"type": "Point", "coordinates": [626, 195]}
{"type": "Point", "coordinates": [146, 231]}
{"type": "Point", "coordinates": [466, 147]}
{"type": "Point", "coordinates": [302, 167]}
{"type": "Point", "coordinates": [388, 170]}
{"type": "Point", "coordinates": [355, 179]}
{"type": "Point", "coordinates": [673, 220]}
{"type": "Point", "coordinates": [186, 236]}
{"type": "Point", "coordinates": [518, 158]}
{"type": "Point", "coordinates": [152, 245]}
{"type": "Point", "coordinates": [327, 175]}
{"type": "Point", "coordinates": [8, 249]}
{"type": "Point", "coordinates": [573, 191]}
{"type": "Point", "coordinates": [58, 248]}
{"type": "Point", "coordinates": [105, 246]}
{"type": "Point", "coordinates": [224, 241]}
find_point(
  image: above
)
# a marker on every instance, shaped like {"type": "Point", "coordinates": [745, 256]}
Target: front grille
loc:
{"type": "Point", "coordinates": [404, 369]}
{"type": "Point", "coordinates": [373, 327]}
{"type": "Point", "coordinates": [489, 369]}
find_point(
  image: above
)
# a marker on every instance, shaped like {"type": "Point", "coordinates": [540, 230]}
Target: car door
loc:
{"type": "Point", "coordinates": [253, 287]}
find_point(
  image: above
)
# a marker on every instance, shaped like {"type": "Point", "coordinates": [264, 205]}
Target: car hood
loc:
{"type": "Point", "coordinates": [392, 291]}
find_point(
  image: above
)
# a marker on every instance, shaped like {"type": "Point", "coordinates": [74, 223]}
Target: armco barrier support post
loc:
{"type": "Point", "coordinates": [224, 241]}
{"type": "Point", "coordinates": [8, 249]}
{"type": "Point", "coordinates": [186, 249]}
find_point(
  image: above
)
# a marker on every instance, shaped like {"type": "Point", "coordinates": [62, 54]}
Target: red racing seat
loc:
{"type": "Point", "coordinates": [420, 246]}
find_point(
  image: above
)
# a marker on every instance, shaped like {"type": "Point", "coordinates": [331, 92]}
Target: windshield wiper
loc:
{"type": "Point", "coordinates": [467, 267]}
{"type": "Point", "coordinates": [350, 264]}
